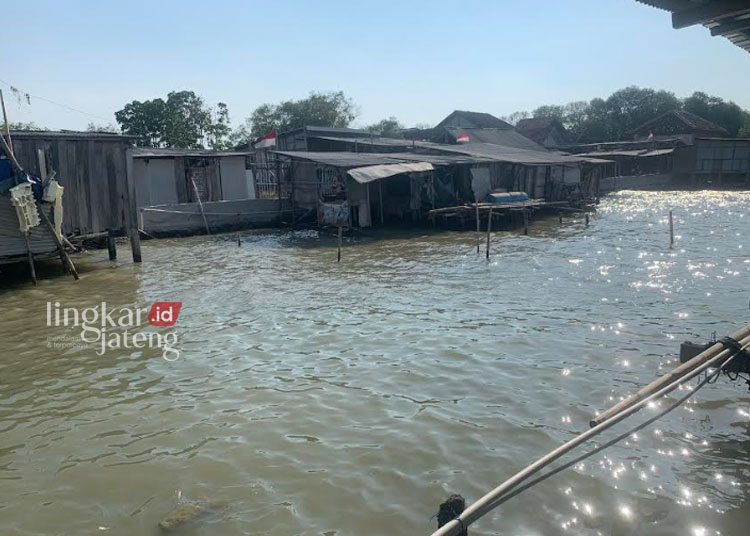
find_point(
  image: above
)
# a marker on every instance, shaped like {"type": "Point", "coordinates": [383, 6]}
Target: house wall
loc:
{"type": "Point", "coordinates": [186, 218]}
{"type": "Point", "coordinates": [233, 178]}
{"type": "Point", "coordinates": [94, 172]}
{"type": "Point", "coordinates": [154, 181]}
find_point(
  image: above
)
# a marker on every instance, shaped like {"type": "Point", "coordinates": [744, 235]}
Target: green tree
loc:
{"type": "Point", "coordinates": [725, 114]}
{"type": "Point", "coordinates": [390, 128]}
{"type": "Point", "coordinates": [25, 126]}
{"type": "Point", "coordinates": [183, 120]}
{"type": "Point", "coordinates": [318, 109]}
{"type": "Point", "coordinates": [92, 127]}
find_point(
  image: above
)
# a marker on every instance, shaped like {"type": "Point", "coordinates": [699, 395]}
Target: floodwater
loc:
{"type": "Point", "coordinates": [311, 397]}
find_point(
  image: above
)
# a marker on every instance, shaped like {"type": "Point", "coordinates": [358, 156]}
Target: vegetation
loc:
{"type": "Point", "coordinates": [390, 128]}
{"type": "Point", "coordinates": [612, 119]}
{"type": "Point", "coordinates": [319, 109]}
{"type": "Point", "coordinates": [182, 120]}
{"type": "Point", "coordinates": [25, 126]}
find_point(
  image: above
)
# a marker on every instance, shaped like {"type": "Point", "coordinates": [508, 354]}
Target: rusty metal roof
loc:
{"type": "Point", "coordinates": [727, 18]}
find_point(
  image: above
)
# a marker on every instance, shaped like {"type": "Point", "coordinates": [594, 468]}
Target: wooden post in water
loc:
{"type": "Point", "coordinates": [526, 222]}
{"type": "Point", "coordinates": [339, 251]}
{"type": "Point", "coordinates": [450, 510]}
{"type": "Point", "coordinates": [32, 270]}
{"type": "Point", "coordinates": [489, 228]}
{"type": "Point", "coordinates": [479, 232]}
{"type": "Point", "coordinates": [671, 230]}
{"type": "Point", "coordinates": [111, 246]}
{"type": "Point", "coordinates": [380, 193]}
{"type": "Point", "coordinates": [587, 219]}
{"type": "Point", "coordinates": [561, 217]}
{"type": "Point", "coordinates": [239, 240]}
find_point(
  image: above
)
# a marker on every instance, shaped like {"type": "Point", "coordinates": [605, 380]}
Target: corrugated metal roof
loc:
{"type": "Point", "coordinates": [70, 134]}
{"type": "Point", "coordinates": [504, 137]}
{"type": "Point", "coordinates": [640, 153]}
{"type": "Point", "coordinates": [152, 152]}
{"type": "Point", "coordinates": [350, 160]}
{"type": "Point", "coordinates": [462, 118]}
{"type": "Point", "coordinates": [511, 154]}
{"type": "Point", "coordinates": [728, 18]}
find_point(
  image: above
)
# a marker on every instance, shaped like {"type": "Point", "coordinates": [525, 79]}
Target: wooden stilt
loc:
{"type": "Point", "coordinates": [380, 192]}
{"type": "Point", "coordinates": [60, 247]}
{"type": "Point", "coordinates": [526, 222]}
{"type": "Point", "coordinates": [587, 219]}
{"type": "Point", "coordinates": [479, 232]}
{"type": "Point", "coordinates": [239, 240]}
{"type": "Point", "coordinates": [489, 229]}
{"type": "Point", "coordinates": [111, 245]}
{"type": "Point", "coordinates": [560, 217]}
{"type": "Point", "coordinates": [671, 229]}
{"type": "Point", "coordinates": [450, 510]}
{"type": "Point", "coordinates": [32, 270]}
{"type": "Point", "coordinates": [339, 249]}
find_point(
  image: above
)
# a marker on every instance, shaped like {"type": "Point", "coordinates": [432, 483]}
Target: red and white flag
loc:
{"type": "Point", "coordinates": [650, 135]}
{"type": "Point", "coordinates": [462, 138]}
{"type": "Point", "coordinates": [269, 140]}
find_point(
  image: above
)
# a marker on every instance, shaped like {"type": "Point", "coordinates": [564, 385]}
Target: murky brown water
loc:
{"type": "Point", "coordinates": [316, 398]}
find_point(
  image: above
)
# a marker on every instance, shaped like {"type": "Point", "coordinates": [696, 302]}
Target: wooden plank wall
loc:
{"type": "Point", "coordinates": [94, 174]}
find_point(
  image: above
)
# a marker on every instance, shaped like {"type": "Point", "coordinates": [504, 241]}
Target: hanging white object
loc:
{"type": "Point", "coordinates": [22, 198]}
{"type": "Point", "coordinates": [50, 191]}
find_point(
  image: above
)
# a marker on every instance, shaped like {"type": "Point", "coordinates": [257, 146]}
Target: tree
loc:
{"type": "Point", "coordinates": [515, 117]}
{"type": "Point", "coordinates": [183, 120]}
{"type": "Point", "coordinates": [390, 128]}
{"type": "Point", "coordinates": [92, 127]}
{"type": "Point", "coordinates": [25, 126]}
{"type": "Point", "coordinates": [725, 114]}
{"type": "Point", "coordinates": [318, 109]}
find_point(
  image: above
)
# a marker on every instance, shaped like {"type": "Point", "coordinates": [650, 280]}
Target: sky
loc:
{"type": "Point", "coordinates": [415, 60]}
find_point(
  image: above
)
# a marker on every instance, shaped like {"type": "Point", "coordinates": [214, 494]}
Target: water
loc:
{"type": "Point", "coordinates": [320, 398]}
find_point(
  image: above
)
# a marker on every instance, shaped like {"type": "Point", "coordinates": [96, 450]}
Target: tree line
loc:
{"type": "Point", "coordinates": [183, 119]}
{"type": "Point", "coordinates": [614, 117]}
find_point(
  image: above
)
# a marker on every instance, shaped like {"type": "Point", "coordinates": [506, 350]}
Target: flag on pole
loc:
{"type": "Point", "coordinates": [462, 138]}
{"type": "Point", "coordinates": [269, 140]}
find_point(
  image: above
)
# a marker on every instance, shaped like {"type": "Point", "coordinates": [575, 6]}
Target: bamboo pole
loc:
{"type": "Point", "coordinates": [64, 257]}
{"type": "Point", "coordinates": [490, 500]}
{"type": "Point", "coordinates": [339, 249]}
{"type": "Point", "coordinates": [479, 232]}
{"type": "Point", "coordinates": [200, 204]}
{"type": "Point", "coordinates": [671, 229]}
{"type": "Point", "coordinates": [686, 367]}
{"type": "Point", "coordinates": [489, 229]}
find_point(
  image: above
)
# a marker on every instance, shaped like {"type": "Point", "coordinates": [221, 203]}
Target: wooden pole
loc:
{"type": "Point", "coordinates": [239, 240]}
{"type": "Point", "coordinates": [200, 204]}
{"type": "Point", "coordinates": [5, 120]}
{"type": "Point", "coordinates": [489, 229]}
{"type": "Point", "coordinates": [587, 219]}
{"type": "Point", "coordinates": [671, 230]}
{"type": "Point", "coordinates": [450, 510]}
{"type": "Point", "coordinates": [657, 384]}
{"type": "Point", "coordinates": [111, 246]}
{"type": "Point", "coordinates": [339, 249]}
{"type": "Point", "coordinates": [32, 270]}
{"type": "Point", "coordinates": [560, 217]}
{"type": "Point", "coordinates": [135, 237]}
{"type": "Point", "coordinates": [60, 247]}
{"type": "Point", "coordinates": [526, 222]}
{"type": "Point", "coordinates": [479, 232]}
{"type": "Point", "coordinates": [380, 192]}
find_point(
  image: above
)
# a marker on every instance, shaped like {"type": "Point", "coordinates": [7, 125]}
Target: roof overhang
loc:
{"type": "Point", "coordinates": [366, 174]}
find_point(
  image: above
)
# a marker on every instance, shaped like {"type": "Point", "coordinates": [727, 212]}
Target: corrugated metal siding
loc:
{"type": "Point", "coordinates": [12, 242]}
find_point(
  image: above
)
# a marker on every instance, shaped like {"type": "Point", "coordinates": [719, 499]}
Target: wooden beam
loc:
{"type": "Point", "coordinates": [702, 14]}
{"type": "Point", "coordinates": [730, 27]}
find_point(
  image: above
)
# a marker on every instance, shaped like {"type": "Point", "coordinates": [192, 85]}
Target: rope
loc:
{"type": "Point", "coordinates": [710, 378]}
{"type": "Point", "coordinates": [490, 500]}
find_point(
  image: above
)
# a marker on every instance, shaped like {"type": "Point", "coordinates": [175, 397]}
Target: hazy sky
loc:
{"type": "Point", "coordinates": [416, 60]}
